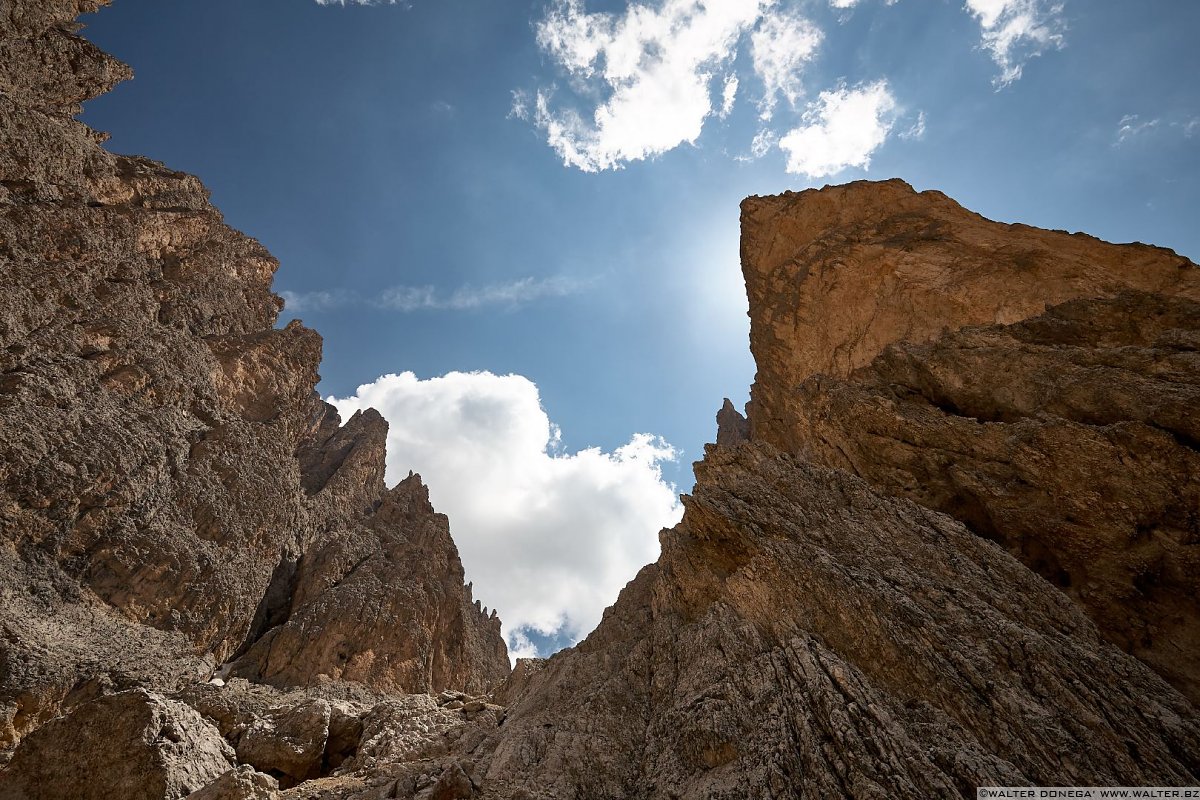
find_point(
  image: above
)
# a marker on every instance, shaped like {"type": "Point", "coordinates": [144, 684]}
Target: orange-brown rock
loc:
{"type": "Point", "coordinates": [383, 604]}
{"type": "Point", "coordinates": [1069, 434]}
{"type": "Point", "coordinates": [835, 275]}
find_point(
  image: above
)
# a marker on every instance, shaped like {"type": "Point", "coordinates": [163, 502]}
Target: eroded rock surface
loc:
{"type": "Point", "coordinates": [1068, 433]}
{"type": "Point", "coordinates": [384, 604]}
{"type": "Point", "coordinates": [240, 783]}
{"type": "Point", "coordinates": [835, 275]}
{"type": "Point", "coordinates": [168, 479]}
{"type": "Point", "coordinates": [134, 745]}
{"type": "Point", "coordinates": [208, 588]}
{"type": "Point", "coordinates": [804, 634]}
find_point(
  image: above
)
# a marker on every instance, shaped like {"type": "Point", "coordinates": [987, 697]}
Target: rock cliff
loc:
{"type": "Point", "coordinates": [954, 544]}
{"type": "Point", "coordinates": [172, 493]}
{"type": "Point", "coordinates": [1038, 386]}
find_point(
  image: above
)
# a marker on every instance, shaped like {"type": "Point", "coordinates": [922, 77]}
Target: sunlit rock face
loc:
{"type": "Point", "coordinates": [1038, 386]}
{"type": "Point", "coordinates": [171, 488]}
{"type": "Point", "coordinates": [953, 545]}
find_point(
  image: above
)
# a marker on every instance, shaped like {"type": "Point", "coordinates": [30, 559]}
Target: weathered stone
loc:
{"type": "Point", "coordinates": [835, 275]}
{"type": "Point", "coordinates": [384, 604]}
{"type": "Point", "coordinates": [167, 465]}
{"type": "Point", "coordinates": [732, 427]}
{"type": "Point", "coordinates": [1070, 439]}
{"type": "Point", "coordinates": [523, 674]}
{"type": "Point", "coordinates": [175, 502]}
{"type": "Point", "coordinates": [287, 741]}
{"type": "Point", "coordinates": [134, 745]}
{"type": "Point", "coordinates": [240, 783]}
{"type": "Point", "coordinates": [805, 635]}
{"type": "Point", "coordinates": [1067, 434]}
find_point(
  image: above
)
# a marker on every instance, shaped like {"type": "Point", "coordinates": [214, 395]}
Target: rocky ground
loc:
{"type": "Point", "coordinates": [955, 542]}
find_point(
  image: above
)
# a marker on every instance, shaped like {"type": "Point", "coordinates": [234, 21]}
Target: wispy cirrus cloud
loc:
{"type": "Point", "coordinates": [1133, 127]}
{"type": "Point", "coordinates": [779, 48]}
{"type": "Point", "coordinates": [513, 294]}
{"type": "Point", "coordinates": [510, 295]}
{"type": "Point", "coordinates": [852, 3]}
{"type": "Point", "coordinates": [1014, 31]}
{"type": "Point", "coordinates": [320, 300]}
{"type": "Point", "coordinates": [404, 3]}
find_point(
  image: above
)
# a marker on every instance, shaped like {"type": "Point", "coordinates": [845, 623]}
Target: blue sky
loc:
{"type": "Point", "coordinates": [432, 218]}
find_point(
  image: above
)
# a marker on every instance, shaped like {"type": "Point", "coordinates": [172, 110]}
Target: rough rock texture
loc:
{"type": "Point", "coordinates": [344, 619]}
{"type": "Point", "coordinates": [289, 740]}
{"type": "Point", "coordinates": [835, 275]}
{"type": "Point", "coordinates": [804, 634]}
{"type": "Point", "coordinates": [240, 783]}
{"type": "Point", "coordinates": [732, 427]}
{"type": "Point", "coordinates": [1069, 438]}
{"type": "Point", "coordinates": [135, 745]}
{"type": "Point", "coordinates": [166, 470]}
{"type": "Point", "coordinates": [1069, 435]}
{"type": "Point", "coordinates": [207, 587]}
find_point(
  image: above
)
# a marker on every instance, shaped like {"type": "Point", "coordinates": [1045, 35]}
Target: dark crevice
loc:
{"type": "Point", "coordinates": [276, 604]}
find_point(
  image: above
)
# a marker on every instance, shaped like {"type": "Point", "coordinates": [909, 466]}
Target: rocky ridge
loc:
{"type": "Point", "coordinates": [953, 544]}
{"type": "Point", "coordinates": [1040, 387]}
{"type": "Point", "coordinates": [173, 495]}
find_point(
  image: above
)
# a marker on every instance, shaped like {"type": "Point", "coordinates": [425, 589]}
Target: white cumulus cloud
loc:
{"type": "Point", "coordinates": [841, 129]}
{"type": "Point", "coordinates": [647, 73]}
{"type": "Point", "coordinates": [548, 537]}
{"type": "Point", "coordinates": [1016, 30]}
{"type": "Point", "coordinates": [779, 49]}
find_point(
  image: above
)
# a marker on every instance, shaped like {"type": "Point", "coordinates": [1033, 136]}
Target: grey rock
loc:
{"type": "Point", "coordinates": [135, 745]}
{"type": "Point", "coordinates": [240, 783]}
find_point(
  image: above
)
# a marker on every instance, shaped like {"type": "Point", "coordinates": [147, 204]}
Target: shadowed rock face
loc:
{"type": "Point", "coordinates": [967, 476]}
{"type": "Point", "coordinates": [168, 478]}
{"type": "Point", "coordinates": [805, 633]}
{"type": "Point", "coordinates": [344, 620]}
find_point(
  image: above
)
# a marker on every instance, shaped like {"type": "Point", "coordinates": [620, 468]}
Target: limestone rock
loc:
{"type": "Point", "coordinates": [167, 466]}
{"type": "Point", "coordinates": [732, 427]}
{"type": "Point", "coordinates": [134, 745]}
{"type": "Point", "coordinates": [805, 635]}
{"type": "Point", "coordinates": [1036, 385]}
{"type": "Point", "coordinates": [523, 674]}
{"type": "Point", "coordinates": [840, 612]}
{"type": "Point", "coordinates": [240, 783]}
{"type": "Point", "coordinates": [384, 604]}
{"type": "Point", "coordinates": [289, 741]}
{"type": "Point", "coordinates": [835, 275]}
{"type": "Point", "coordinates": [1069, 438]}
